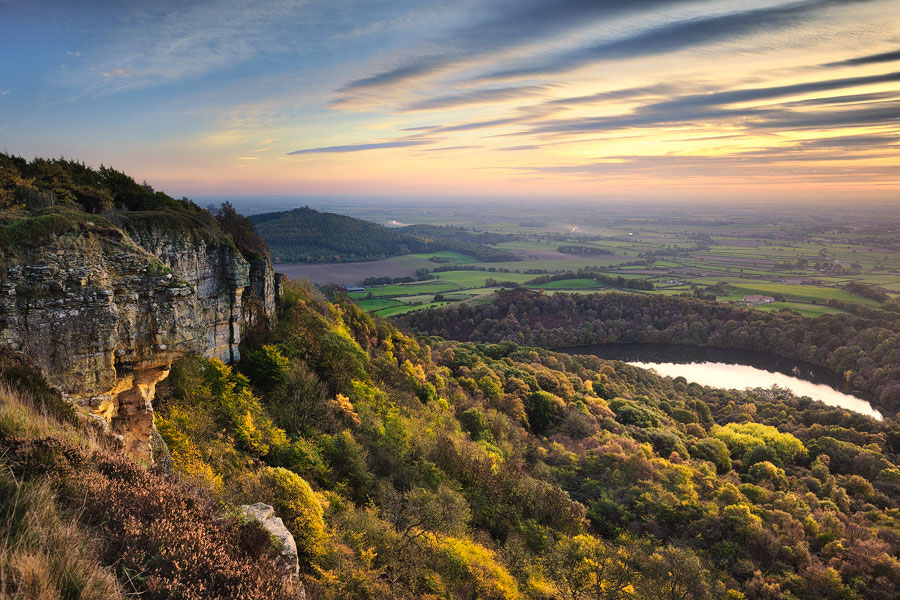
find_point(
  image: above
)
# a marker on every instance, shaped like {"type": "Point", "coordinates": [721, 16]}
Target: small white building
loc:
{"type": "Point", "coordinates": [757, 299]}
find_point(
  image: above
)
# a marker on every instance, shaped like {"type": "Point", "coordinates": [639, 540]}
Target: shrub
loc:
{"type": "Point", "coordinates": [44, 552]}
{"type": "Point", "coordinates": [267, 368]}
{"type": "Point", "coordinates": [166, 539]}
{"type": "Point", "coordinates": [542, 409]}
{"type": "Point", "coordinates": [741, 438]}
{"type": "Point", "coordinates": [296, 503]}
{"type": "Point", "coordinates": [474, 421]}
{"type": "Point", "coordinates": [472, 570]}
{"type": "Point", "coordinates": [715, 451]}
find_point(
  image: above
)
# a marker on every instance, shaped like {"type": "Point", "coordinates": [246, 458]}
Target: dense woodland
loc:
{"type": "Point", "coordinates": [305, 235]}
{"type": "Point", "coordinates": [864, 351]}
{"type": "Point", "coordinates": [409, 468]}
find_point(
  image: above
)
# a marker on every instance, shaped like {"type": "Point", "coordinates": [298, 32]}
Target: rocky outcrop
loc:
{"type": "Point", "coordinates": [289, 560]}
{"type": "Point", "coordinates": [104, 314]}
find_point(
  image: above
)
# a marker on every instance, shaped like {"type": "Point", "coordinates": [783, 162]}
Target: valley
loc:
{"type": "Point", "coordinates": [812, 264]}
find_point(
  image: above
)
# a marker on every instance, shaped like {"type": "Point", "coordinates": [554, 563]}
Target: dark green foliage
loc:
{"type": "Point", "coordinates": [474, 422]}
{"type": "Point", "coordinates": [715, 451]}
{"type": "Point", "coordinates": [347, 459]}
{"type": "Point", "coordinates": [74, 184]}
{"type": "Point", "coordinates": [241, 230]}
{"type": "Point", "coordinates": [267, 368]}
{"type": "Point", "coordinates": [588, 250]}
{"type": "Point", "coordinates": [307, 235]}
{"type": "Point", "coordinates": [459, 234]}
{"type": "Point", "coordinates": [540, 408]}
{"type": "Point", "coordinates": [629, 412]}
{"type": "Point", "coordinates": [600, 278]}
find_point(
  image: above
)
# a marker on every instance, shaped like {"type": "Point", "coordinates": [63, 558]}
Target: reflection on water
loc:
{"type": "Point", "coordinates": [735, 369]}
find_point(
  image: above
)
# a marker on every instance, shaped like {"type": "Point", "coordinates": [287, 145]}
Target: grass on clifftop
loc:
{"type": "Point", "coordinates": [39, 228]}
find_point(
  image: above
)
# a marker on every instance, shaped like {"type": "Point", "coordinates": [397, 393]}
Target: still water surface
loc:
{"type": "Point", "coordinates": [736, 369]}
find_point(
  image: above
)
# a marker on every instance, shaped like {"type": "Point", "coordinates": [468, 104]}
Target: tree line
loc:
{"type": "Point", "coordinates": [863, 351]}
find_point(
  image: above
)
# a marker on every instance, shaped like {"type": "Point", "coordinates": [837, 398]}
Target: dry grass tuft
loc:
{"type": "Point", "coordinates": [44, 553]}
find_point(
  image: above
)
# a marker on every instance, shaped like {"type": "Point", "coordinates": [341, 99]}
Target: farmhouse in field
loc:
{"type": "Point", "coordinates": [353, 288]}
{"type": "Point", "coordinates": [756, 299]}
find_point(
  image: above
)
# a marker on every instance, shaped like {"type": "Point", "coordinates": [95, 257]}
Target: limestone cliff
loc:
{"type": "Point", "coordinates": [104, 313]}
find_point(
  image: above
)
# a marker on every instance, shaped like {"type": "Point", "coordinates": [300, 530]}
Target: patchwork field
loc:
{"type": "Point", "coordinates": [802, 260]}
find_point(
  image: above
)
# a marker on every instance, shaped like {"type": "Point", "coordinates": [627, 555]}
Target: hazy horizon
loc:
{"type": "Point", "coordinates": [642, 101]}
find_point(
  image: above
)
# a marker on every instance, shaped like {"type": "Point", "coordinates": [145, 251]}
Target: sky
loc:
{"type": "Point", "coordinates": [585, 99]}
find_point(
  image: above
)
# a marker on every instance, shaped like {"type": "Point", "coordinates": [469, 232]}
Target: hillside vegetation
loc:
{"type": "Point", "coordinates": [307, 235]}
{"type": "Point", "coordinates": [411, 468]}
{"type": "Point", "coordinates": [452, 470]}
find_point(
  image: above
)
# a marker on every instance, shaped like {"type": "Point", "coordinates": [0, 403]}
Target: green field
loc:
{"type": "Point", "coordinates": [403, 309]}
{"type": "Point", "coordinates": [406, 289]}
{"type": "Point", "coordinates": [569, 284]}
{"type": "Point", "coordinates": [377, 304]}
{"type": "Point", "coordinates": [805, 257]}
{"type": "Point", "coordinates": [807, 310]}
{"type": "Point", "coordinates": [798, 293]}
{"type": "Point", "coordinates": [468, 279]}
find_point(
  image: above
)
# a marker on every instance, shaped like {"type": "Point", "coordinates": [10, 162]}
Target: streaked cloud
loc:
{"type": "Point", "coordinates": [483, 96]}
{"type": "Point", "coordinates": [362, 147]}
{"type": "Point", "coordinates": [673, 37]}
{"type": "Point", "coordinates": [766, 93]}
{"type": "Point", "coordinates": [871, 59]}
{"type": "Point", "coordinates": [488, 97]}
{"type": "Point", "coordinates": [508, 25]}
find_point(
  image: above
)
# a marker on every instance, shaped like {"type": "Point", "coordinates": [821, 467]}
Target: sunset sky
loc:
{"type": "Point", "coordinates": [587, 99]}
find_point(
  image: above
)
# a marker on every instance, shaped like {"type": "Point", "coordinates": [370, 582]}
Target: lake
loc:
{"type": "Point", "coordinates": [736, 369]}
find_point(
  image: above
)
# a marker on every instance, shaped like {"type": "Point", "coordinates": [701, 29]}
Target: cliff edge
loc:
{"type": "Point", "coordinates": [104, 308]}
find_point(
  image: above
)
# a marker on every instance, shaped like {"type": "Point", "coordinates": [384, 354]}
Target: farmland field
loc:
{"type": "Point", "coordinates": [806, 260]}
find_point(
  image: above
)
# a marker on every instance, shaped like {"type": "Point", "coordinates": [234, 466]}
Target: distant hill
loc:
{"type": "Point", "coordinates": [307, 235]}
{"type": "Point", "coordinates": [459, 234]}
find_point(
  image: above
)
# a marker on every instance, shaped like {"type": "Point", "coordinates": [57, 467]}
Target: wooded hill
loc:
{"type": "Point", "coordinates": [310, 236]}
{"type": "Point", "coordinates": [457, 234]}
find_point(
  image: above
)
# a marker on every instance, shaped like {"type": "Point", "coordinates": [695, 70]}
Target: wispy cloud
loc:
{"type": "Point", "coordinates": [449, 148]}
{"type": "Point", "coordinates": [424, 65]}
{"type": "Point", "coordinates": [867, 60]}
{"type": "Point", "coordinates": [765, 93]}
{"type": "Point", "coordinates": [508, 25]}
{"type": "Point", "coordinates": [620, 94]}
{"type": "Point", "coordinates": [362, 147]}
{"type": "Point", "coordinates": [484, 96]}
{"type": "Point", "coordinates": [673, 37]}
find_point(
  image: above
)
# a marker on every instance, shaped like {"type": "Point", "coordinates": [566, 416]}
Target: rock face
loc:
{"type": "Point", "coordinates": [104, 314]}
{"type": "Point", "coordinates": [265, 514]}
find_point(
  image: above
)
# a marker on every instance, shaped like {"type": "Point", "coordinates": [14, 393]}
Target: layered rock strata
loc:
{"type": "Point", "coordinates": [104, 314]}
